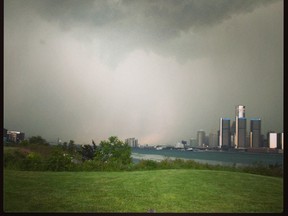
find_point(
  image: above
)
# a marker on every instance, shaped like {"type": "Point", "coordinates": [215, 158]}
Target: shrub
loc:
{"type": "Point", "coordinates": [60, 161]}
{"type": "Point", "coordinates": [261, 169]}
{"type": "Point", "coordinates": [33, 161]}
{"type": "Point", "coordinates": [113, 150]}
{"type": "Point", "coordinates": [14, 159]}
{"type": "Point", "coordinates": [38, 140]}
{"type": "Point", "coordinates": [146, 165]}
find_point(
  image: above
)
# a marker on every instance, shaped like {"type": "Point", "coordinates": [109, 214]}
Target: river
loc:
{"type": "Point", "coordinates": [210, 157]}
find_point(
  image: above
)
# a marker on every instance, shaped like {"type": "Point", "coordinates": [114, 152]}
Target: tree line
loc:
{"type": "Point", "coordinates": [36, 154]}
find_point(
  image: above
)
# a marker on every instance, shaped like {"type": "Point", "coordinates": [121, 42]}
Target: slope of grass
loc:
{"type": "Point", "coordinates": [139, 191]}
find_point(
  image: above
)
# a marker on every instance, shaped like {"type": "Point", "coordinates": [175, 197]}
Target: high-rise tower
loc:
{"type": "Point", "coordinates": [224, 135]}
{"type": "Point", "coordinates": [201, 138]}
{"type": "Point", "coordinates": [240, 130]}
{"type": "Point", "coordinates": [255, 133]}
{"type": "Point", "coordinates": [240, 111]}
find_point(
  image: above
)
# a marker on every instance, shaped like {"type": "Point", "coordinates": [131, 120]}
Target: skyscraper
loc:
{"type": "Point", "coordinates": [201, 138]}
{"type": "Point", "coordinates": [224, 135]}
{"type": "Point", "coordinates": [213, 140]}
{"type": "Point", "coordinates": [272, 139]}
{"type": "Point", "coordinates": [280, 141]}
{"type": "Point", "coordinates": [275, 140]}
{"type": "Point", "coordinates": [240, 130]}
{"type": "Point", "coordinates": [193, 142]}
{"type": "Point", "coordinates": [132, 142]}
{"type": "Point", "coordinates": [232, 132]}
{"type": "Point", "coordinates": [255, 133]}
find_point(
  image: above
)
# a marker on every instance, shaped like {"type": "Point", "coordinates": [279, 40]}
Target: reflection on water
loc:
{"type": "Point", "coordinates": [210, 157]}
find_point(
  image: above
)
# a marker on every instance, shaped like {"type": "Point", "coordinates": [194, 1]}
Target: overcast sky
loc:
{"type": "Point", "coordinates": [156, 70]}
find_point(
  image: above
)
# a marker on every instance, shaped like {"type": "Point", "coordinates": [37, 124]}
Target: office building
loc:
{"type": "Point", "coordinates": [224, 133]}
{"type": "Point", "coordinates": [132, 142]}
{"type": "Point", "coordinates": [275, 140]}
{"type": "Point", "coordinates": [179, 145]}
{"type": "Point", "coordinates": [263, 142]}
{"type": "Point", "coordinates": [232, 133]}
{"type": "Point", "coordinates": [213, 140]}
{"type": "Point", "coordinates": [193, 142]}
{"type": "Point", "coordinates": [241, 130]}
{"type": "Point", "coordinates": [240, 127]}
{"type": "Point", "coordinates": [280, 141]}
{"type": "Point", "coordinates": [201, 138]}
{"type": "Point", "coordinates": [272, 139]}
{"type": "Point", "coordinates": [15, 136]}
{"type": "Point", "coordinates": [255, 133]}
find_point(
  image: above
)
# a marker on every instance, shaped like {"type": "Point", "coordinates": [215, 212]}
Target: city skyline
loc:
{"type": "Point", "coordinates": [152, 70]}
{"type": "Point", "coordinates": [227, 134]}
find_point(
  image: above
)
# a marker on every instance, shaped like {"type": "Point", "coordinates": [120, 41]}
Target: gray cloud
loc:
{"type": "Point", "coordinates": [151, 15]}
{"type": "Point", "coordinates": [133, 24]}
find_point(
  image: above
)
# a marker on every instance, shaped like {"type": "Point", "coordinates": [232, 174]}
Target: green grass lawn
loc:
{"type": "Point", "coordinates": [139, 191]}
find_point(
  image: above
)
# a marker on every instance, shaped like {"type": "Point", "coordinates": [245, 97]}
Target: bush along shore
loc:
{"type": "Point", "coordinates": [109, 155]}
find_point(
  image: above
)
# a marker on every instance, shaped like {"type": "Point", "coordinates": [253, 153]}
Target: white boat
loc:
{"type": "Point", "coordinates": [159, 148]}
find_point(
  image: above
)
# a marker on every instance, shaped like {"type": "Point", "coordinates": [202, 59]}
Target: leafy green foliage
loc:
{"type": "Point", "coordinates": [113, 151]}
{"type": "Point", "coordinates": [72, 147]}
{"type": "Point", "coordinates": [110, 155]}
{"type": "Point", "coordinates": [38, 140]}
{"type": "Point", "coordinates": [261, 169]}
{"type": "Point", "coordinates": [147, 165]}
{"type": "Point", "coordinates": [13, 159]}
{"type": "Point", "coordinates": [24, 143]}
{"type": "Point", "coordinates": [33, 161]}
{"type": "Point", "coordinates": [88, 151]}
{"type": "Point", "coordinates": [60, 161]}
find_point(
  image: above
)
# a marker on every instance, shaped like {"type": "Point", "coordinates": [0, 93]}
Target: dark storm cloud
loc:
{"type": "Point", "coordinates": [156, 19]}
{"type": "Point", "coordinates": [179, 15]}
{"type": "Point", "coordinates": [127, 25]}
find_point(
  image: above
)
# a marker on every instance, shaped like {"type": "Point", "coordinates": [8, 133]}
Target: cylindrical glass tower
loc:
{"type": "Point", "coordinates": [240, 111]}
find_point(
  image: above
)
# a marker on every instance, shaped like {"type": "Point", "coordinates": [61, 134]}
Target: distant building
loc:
{"type": "Point", "coordinates": [255, 133]}
{"type": "Point", "coordinates": [240, 127]}
{"type": "Point", "coordinates": [272, 139]}
{"type": "Point", "coordinates": [232, 133]}
{"type": "Point", "coordinates": [264, 141]}
{"type": "Point", "coordinates": [241, 132]}
{"type": "Point", "coordinates": [184, 143]}
{"type": "Point", "coordinates": [179, 145]}
{"type": "Point", "coordinates": [280, 141]}
{"type": "Point", "coordinates": [15, 136]}
{"type": "Point", "coordinates": [132, 142]}
{"type": "Point", "coordinates": [201, 138]}
{"type": "Point", "coordinates": [224, 133]}
{"type": "Point", "coordinates": [275, 140]}
{"type": "Point", "coordinates": [193, 142]}
{"type": "Point", "coordinates": [240, 111]}
{"type": "Point", "coordinates": [213, 140]}
{"type": "Point", "coordinates": [5, 135]}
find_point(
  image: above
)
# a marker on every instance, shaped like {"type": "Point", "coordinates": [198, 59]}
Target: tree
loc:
{"type": "Point", "coordinates": [59, 161]}
{"type": "Point", "coordinates": [38, 140]}
{"type": "Point", "coordinates": [64, 146]}
{"type": "Point", "coordinates": [88, 151]}
{"type": "Point", "coordinates": [113, 150]}
{"type": "Point", "coordinates": [71, 146]}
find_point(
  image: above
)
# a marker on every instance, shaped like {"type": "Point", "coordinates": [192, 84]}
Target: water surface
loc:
{"type": "Point", "coordinates": [210, 157]}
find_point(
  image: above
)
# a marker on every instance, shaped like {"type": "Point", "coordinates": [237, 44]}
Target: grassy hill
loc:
{"type": "Point", "coordinates": [138, 191]}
